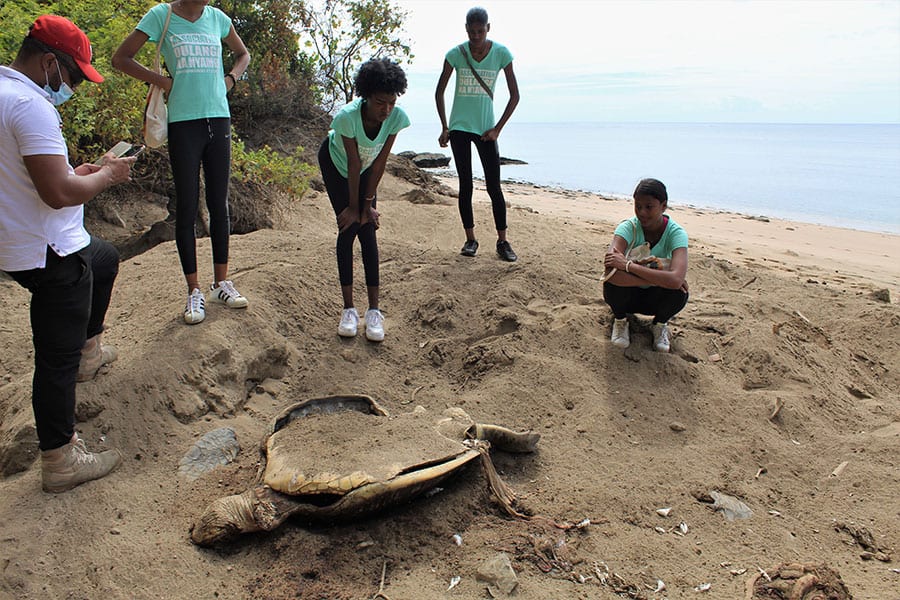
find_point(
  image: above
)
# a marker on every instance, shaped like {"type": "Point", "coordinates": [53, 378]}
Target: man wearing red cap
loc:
{"type": "Point", "coordinates": [44, 245]}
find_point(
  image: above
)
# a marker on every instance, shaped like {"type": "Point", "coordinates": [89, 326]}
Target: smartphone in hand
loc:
{"type": "Point", "coordinates": [122, 150]}
{"type": "Point", "coordinates": [133, 151]}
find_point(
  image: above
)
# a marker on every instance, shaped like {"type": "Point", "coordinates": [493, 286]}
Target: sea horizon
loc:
{"type": "Point", "coordinates": [842, 175]}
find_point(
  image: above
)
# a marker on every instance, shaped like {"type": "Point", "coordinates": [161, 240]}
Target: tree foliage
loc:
{"type": "Point", "coordinates": [286, 78]}
{"type": "Point", "coordinates": [98, 115]}
{"type": "Point", "coordinates": [269, 30]}
{"type": "Point", "coordinates": [341, 35]}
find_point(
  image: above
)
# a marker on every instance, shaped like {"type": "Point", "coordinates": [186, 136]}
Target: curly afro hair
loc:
{"type": "Point", "coordinates": [379, 75]}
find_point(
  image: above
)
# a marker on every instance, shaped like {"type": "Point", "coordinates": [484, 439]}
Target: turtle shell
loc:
{"type": "Point", "coordinates": [331, 447]}
{"type": "Point", "coordinates": [343, 456]}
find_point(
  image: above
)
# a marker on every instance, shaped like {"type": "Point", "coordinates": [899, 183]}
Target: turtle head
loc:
{"type": "Point", "coordinates": [225, 519]}
{"type": "Point", "coordinates": [454, 424]}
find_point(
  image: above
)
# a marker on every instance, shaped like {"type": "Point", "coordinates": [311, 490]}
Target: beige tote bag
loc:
{"type": "Point", "coordinates": [156, 115]}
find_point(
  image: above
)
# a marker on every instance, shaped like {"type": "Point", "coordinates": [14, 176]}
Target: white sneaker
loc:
{"type": "Point", "coordinates": [620, 336]}
{"type": "Point", "coordinates": [349, 323]}
{"type": "Point", "coordinates": [195, 309]}
{"type": "Point", "coordinates": [225, 293]}
{"type": "Point", "coordinates": [661, 337]}
{"type": "Point", "coordinates": [374, 325]}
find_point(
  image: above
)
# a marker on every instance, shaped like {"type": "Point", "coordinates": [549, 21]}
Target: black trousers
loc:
{"type": "Point", "coordinates": [489, 153]}
{"type": "Point", "coordinates": [205, 142]}
{"type": "Point", "coordinates": [339, 193]}
{"type": "Point", "coordinates": [661, 303]}
{"type": "Point", "coordinates": [69, 299]}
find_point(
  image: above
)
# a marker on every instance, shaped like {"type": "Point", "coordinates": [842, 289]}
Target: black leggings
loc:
{"type": "Point", "coordinates": [489, 153]}
{"type": "Point", "coordinates": [661, 303]}
{"type": "Point", "coordinates": [204, 142]}
{"type": "Point", "coordinates": [339, 194]}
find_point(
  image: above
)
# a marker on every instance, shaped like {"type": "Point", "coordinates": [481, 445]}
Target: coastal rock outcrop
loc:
{"type": "Point", "coordinates": [434, 160]}
{"type": "Point", "coordinates": [427, 160]}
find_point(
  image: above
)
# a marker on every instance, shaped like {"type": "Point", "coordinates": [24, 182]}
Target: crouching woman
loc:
{"type": "Point", "coordinates": [654, 285]}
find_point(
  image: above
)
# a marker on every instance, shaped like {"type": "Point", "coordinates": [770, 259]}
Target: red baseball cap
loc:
{"type": "Point", "coordinates": [62, 34]}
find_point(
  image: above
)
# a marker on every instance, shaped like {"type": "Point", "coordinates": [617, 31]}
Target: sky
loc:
{"type": "Point", "coordinates": [723, 61]}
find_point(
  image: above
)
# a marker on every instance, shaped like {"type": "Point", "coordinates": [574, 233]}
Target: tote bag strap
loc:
{"type": "Point", "coordinates": [633, 237]}
{"type": "Point", "coordinates": [462, 49]}
{"type": "Point", "coordinates": [162, 37]}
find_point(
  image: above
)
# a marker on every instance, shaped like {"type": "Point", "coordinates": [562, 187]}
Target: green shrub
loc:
{"type": "Point", "coordinates": [263, 185]}
{"type": "Point", "coordinates": [99, 115]}
{"type": "Point", "coordinates": [268, 167]}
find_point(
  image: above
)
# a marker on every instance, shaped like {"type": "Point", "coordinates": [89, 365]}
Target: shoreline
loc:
{"type": "Point", "coordinates": [761, 176]}
{"type": "Point", "coordinates": [447, 173]}
{"type": "Point", "coordinates": [834, 254]}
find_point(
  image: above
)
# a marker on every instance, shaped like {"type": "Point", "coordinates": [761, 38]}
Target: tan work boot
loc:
{"type": "Point", "coordinates": [93, 356]}
{"type": "Point", "coordinates": [71, 465]}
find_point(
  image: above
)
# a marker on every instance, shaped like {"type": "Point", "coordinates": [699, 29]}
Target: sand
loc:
{"type": "Point", "coordinates": [781, 314]}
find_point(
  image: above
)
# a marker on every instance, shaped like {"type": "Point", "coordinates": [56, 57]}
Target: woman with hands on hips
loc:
{"type": "Point", "coordinates": [199, 128]}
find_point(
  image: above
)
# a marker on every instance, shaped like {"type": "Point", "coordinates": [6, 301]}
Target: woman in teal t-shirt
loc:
{"type": "Point", "coordinates": [352, 159]}
{"type": "Point", "coordinates": [199, 129]}
{"type": "Point", "coordinates": [650, 286]}
{"type": "Point", "coordinates": [478, 64]}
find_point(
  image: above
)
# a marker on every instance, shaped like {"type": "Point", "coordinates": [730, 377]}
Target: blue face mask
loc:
{"type": "Point", "coordinates": [64, 92]}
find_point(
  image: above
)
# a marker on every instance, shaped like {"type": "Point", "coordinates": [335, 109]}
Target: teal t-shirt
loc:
{"type": "Point", "coordinates": [473, 109]}
{"type": "Point", "coordinates": [348, 123]}
{"type": "Point", "coordinates": [673, 237]}
{"type": "Point", "coordinates": [193, 55]}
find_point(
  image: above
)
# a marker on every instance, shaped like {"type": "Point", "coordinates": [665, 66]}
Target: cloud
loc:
{"type": "Point", "coordinates": [829, 61]}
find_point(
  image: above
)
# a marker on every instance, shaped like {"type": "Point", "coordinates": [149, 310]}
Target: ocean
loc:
{"type": "Point", "coordinates": [838, 175]}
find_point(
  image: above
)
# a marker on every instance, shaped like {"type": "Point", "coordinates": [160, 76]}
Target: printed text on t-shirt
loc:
{"type": "Point", "coordinates": [197, 52]}
{"type": "Point", "coordinates": [469, 86]}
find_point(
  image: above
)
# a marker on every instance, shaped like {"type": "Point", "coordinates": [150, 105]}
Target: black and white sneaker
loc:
{"type": "Point", "coordinates": [469, 248]}
{"type": "Point", "coordinates": [505, 251]}
{"type": "Point", "coordinates": [195, 308]}
{"type": "Point", "coordinates": [225, 293]}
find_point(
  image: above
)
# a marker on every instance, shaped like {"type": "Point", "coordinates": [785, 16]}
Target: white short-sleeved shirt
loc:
{"type": "Point", "coordinates": [31, 126]}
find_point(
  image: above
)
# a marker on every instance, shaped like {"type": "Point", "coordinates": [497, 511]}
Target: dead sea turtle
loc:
{"type": "Point", "coordinates": [342, 456]}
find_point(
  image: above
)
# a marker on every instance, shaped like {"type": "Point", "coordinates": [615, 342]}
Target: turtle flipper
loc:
{"type": "Point", "coordinates": [506, 439]}
{"type": "Point", "coordinates": [504, 496]}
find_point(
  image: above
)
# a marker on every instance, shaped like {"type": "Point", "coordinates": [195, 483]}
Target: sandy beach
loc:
{"type": "Point", "coordinates": [781, 391]}
{"type": "Point", "coordinates": [846, 254]}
